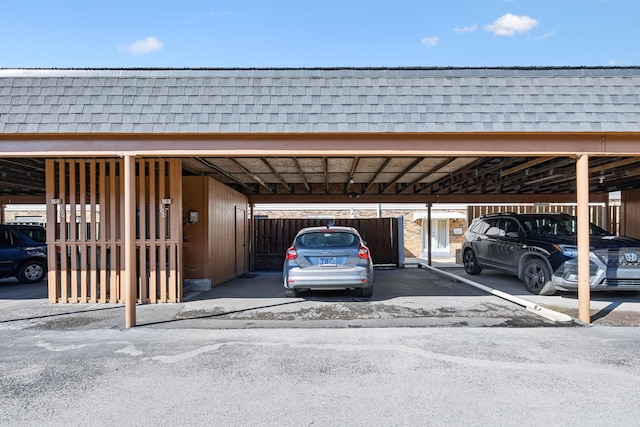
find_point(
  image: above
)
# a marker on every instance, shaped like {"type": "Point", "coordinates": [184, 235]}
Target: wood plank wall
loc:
{"type": "Point", "coordinates": [630, 213]}
{"type": "Point", "coordinates": [85, 232]}
{"type": "Point", "coordinates": [216, 247]}
{"type": "Point", "coordinates": [272, 237]}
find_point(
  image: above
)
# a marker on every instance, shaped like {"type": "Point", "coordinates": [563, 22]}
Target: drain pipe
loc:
{"type": "Point", "coordinates": [552, 315]}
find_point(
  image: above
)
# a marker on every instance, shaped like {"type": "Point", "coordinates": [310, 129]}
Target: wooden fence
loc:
{"type": "Point", "coordinates": [85, 230]}
{"type": "Point", "coordinates": [607, 217]}
{"type": "Point", "coordinates": [272, 237]}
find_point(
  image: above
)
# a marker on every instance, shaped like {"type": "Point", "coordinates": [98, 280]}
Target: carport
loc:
{"type": "Point", "coordinates": [349, 135]}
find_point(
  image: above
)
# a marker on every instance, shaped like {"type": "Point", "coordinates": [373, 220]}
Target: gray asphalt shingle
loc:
{"type": "Point", "coordinates": [147, 101]}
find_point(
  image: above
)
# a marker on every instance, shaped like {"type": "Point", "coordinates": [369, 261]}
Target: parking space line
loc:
{"type": "Point", "coordinates": [552, 315]}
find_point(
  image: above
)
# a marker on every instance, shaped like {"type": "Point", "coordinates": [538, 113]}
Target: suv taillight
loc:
{"type": "Point", "coordinates": [363, 252]}
{"type": "Point", "coordinates": [291, 253]}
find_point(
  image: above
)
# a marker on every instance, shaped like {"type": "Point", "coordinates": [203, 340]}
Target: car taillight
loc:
{"type": "Point", "coordinates": [291, 254]}
{"type": "Point", "coordinates": [363, 252]}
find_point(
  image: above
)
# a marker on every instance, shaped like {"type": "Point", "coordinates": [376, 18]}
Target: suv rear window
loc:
{"type": "Point", "coordinates": [479, 226]}
{"type": "Point", "coordinates": [329, 239]}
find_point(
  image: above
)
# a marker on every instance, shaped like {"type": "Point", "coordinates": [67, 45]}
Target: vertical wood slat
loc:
{"type": "Point", "coordinates": [142, 233]}
{"type": "Point", "coordinates": [614, 219]}
{"type": "Point", "coordinates": [273, 237]}
{"type": "Point", "coordinates": [595, 211]}
{"type": "Point", "coordinates": [121, 233]}
{"type": "Point", "coordinates": [249, 240]}
{"type": "Point", "coordinates": [171, 277]}
{"type": "Point", "coordinates": [174, 193]}
{"type": "Point", "coordinates": [113, 234]}
{"type": "Point", "coordinates": [50, 172]}
{"type": "Point", "coordinates": [82, 235]}
{"type": "Point", "coordinates": [73, 238]}
{"type": "Point", "coordinates": [64, 291]}
{"type": "Point", "coordinates": [162, 270]}
{"type": "Point", "coordinates": [175, 188]}
{"type": "Point", "coordinates": [162, 194]}
{"type": "Point", "coordinates": [153, 218]}
{"type": "Point", "coordinates": [102, 236]}
{"type": "Point", "coordinates": [178, 282]}
{"type": "Point", "coordinates": [93, 260]}
{"type": "Point", "coordinates": [91, 267]}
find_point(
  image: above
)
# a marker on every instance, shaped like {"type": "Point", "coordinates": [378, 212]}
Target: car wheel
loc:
{"type": "Point", "coordinates": [537, 277]}
{"type": "Point", "coordinates": [366, 292]}
{"type": "Point", "coordinates": [31, 272]}
{"type": "Point", "coordinates": [471, 263]}
{"type": "Point", "coordinates": [290, 292]}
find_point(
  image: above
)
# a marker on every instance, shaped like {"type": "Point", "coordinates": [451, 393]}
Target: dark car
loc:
{"type": "Point", "coordinates": [23, 252]}
{"type": "Point", "coordinates": [326, 258]}
{"type": "Point", "coordinates": [541, 250]}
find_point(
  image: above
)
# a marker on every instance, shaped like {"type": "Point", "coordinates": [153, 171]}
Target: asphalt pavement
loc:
{"type": "Point", "coordinates": [437, 376]}
{"type": "Point", "coordinates": [614, 308]}
{"type": "Point", "coordinates": [403, 297]}
{"type": "Point", "coordinates": [407, 297]}
{"type": "Point", "coordinates": [425, 350]}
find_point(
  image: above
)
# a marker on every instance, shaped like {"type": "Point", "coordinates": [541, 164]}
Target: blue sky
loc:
{"type": "Point", "coordinates": [320, 33]}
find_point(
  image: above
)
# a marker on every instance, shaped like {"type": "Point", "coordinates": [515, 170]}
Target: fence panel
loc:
{"type": "Point", "coordinates": [85, 230]}
{"type": "Point", "coordinates": [607, 217]}
{"type": "Point", "coordinates": [272, 237]}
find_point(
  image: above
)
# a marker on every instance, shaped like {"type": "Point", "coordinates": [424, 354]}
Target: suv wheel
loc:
{"type": "Point", "coordinates": [537, 277]}
{"type": "Point", "coordinates": [471, 263]}
{"type": "Point", "coordinates": [31, 272]}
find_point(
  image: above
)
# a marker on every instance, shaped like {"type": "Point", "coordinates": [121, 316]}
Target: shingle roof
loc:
{"type": "Point", "coordinates": [200, 101]}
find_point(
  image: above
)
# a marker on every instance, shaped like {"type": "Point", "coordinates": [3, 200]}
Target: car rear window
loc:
{"type": "Point", "coordinates": [317, 240]}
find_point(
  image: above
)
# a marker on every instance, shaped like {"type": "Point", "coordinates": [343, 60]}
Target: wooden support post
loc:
{"type": "Point", "coordinates": [52, 219]}
{"type": "Point", "coordinates": [584, 290]}
{"type": "Point", "coordinates": [129, 240]}
{"type": "Point", "coordinates": [429, 232]}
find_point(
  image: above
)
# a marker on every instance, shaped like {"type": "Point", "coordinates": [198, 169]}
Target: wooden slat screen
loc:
{"type": "Point", "coordinates": [85, 231]}
{"type": "Point", "coordinates": [606, 217]}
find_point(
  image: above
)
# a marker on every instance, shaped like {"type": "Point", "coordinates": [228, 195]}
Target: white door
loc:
{"type": "Point", "coordinates": [440, 237]}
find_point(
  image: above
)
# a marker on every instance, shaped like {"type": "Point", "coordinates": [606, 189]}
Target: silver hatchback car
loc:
{"type": "Point", "coordinates": [328, 258]}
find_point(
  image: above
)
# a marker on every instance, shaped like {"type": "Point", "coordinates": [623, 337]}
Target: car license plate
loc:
{"type": "Point", "coordinates": [328, 261]}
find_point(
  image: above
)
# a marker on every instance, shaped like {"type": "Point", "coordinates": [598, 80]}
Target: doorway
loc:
{"type": "Point", "coordinates": [241, 239]}
{"type": "Point", "coordinates": [439, 239]}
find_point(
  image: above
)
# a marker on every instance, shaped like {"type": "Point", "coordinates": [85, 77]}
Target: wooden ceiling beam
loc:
{"type": "Point", "coordinates": [285, 184]}
{"type": "Point", "coordinates": [378, 172]}
{"type": "Point", "coordinates": [225, 173]}
{"type": "Point", "coordinates": [301, 173]}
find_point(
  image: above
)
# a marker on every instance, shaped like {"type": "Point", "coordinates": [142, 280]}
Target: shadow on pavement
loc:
{"type": "Point", "coordinates": [388, 283]}
{"type": "Point", "coordinates": [418, 294]}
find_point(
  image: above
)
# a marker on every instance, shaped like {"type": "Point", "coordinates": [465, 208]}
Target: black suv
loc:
{"type": "Point", "coordinates": [541, 249]}
{"type": "Point", "coordinates": [23, 252]}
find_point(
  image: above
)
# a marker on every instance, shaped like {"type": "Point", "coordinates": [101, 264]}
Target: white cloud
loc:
{"type": "Point", "coordinates": [467, 29]}
{"type": "Point", "coordinates": [141, 47]}
{"type": "Point", "coordinates": [508, 25]}
{"type": "Point", "coordinates": [429, 41]}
